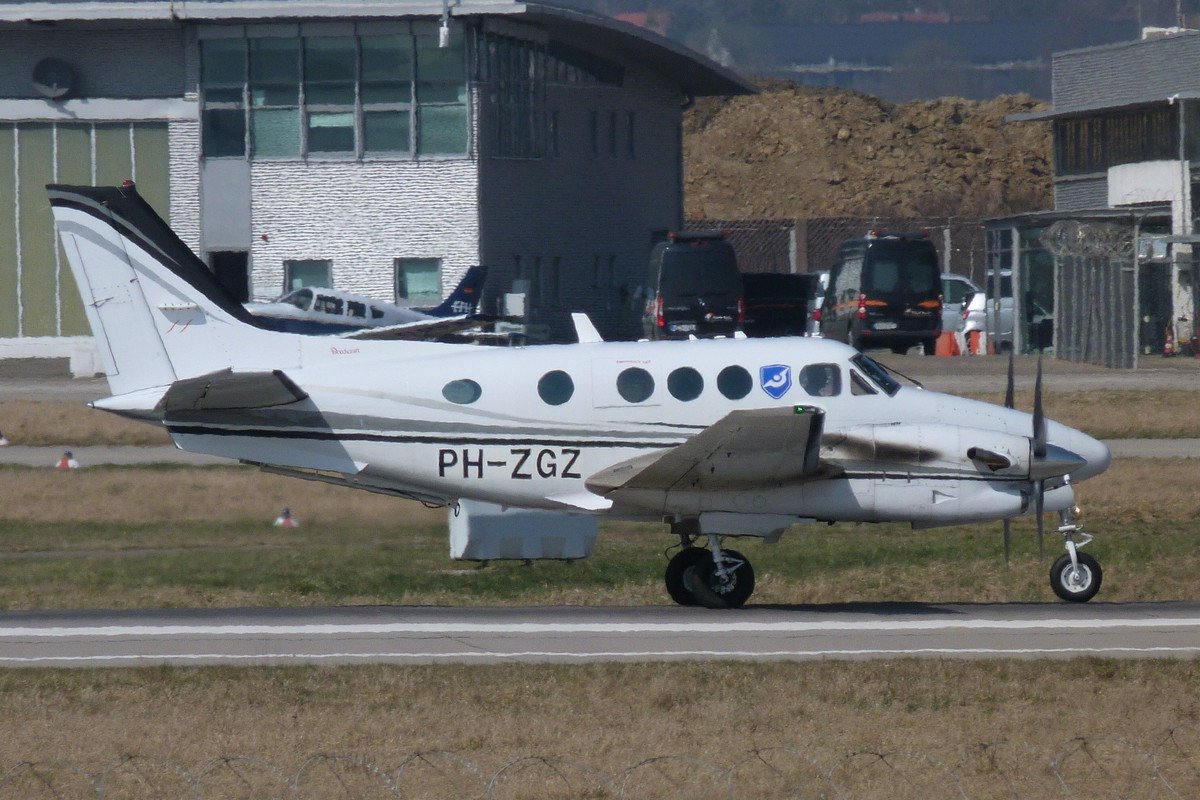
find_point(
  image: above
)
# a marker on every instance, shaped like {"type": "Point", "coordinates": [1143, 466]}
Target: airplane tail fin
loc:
{"type": "Point", "coordinates": [156, 311]}
{"type": "Point", "coordinates": [465, 297]}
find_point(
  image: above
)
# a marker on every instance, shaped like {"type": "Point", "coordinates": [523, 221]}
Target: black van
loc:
{"type": "Point", "coordinates": [693, 287]}
{"type": "Point", "coordinates": [777, 304]}
{"type": "Point", "coordinates": [884, 290]}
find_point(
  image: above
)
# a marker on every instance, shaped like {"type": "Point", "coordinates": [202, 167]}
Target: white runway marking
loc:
{"type": "Point", "coordinates": [476, 655]}
{"type": "Point", "coordinates": [459, 628]}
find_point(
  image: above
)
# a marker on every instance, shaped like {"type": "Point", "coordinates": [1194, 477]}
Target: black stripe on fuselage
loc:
{"type": "Point", "coordinates": [333, 436]}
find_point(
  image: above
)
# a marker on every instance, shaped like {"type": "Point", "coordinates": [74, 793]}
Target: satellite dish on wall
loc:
{"type": "Point", "coordinates": [53, 78]}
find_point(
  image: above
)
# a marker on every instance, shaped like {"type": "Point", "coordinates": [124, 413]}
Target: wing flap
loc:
{"type": "Point", "coordinates": [227, 389]}
{"type": "Point", "coordinates": [743, 449]}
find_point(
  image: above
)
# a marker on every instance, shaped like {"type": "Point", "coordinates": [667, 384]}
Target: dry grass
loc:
{"type": "Point", "coordinates": [39, 424]}
{"type": "Point", "coordinates": [1105, 414]}
{"type": "Point", "coordinates": [609, 718]}
{"type": "Point", "coordinates": [1117, 414]}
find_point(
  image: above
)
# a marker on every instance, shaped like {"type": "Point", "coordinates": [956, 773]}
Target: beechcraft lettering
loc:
{"type": "Point", "coordinates": [670, 432]}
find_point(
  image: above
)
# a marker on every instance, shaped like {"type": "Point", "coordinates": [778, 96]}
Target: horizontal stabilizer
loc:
{"type": "Point", "coordinates": [743, 449]}
{"type": "Point", "coordinates": [421, 330]}
{"type": "Point", "coordinates": [227, 389]}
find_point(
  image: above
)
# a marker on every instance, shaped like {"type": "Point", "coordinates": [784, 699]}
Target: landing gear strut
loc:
{"type": "Point", "coordinates": [1075, 576]}
{"type": "Point", "coordinates": [714, 578]}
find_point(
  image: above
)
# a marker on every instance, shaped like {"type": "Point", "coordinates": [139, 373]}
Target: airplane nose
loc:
{"type": "Point", "coordinates": [1095, 453]}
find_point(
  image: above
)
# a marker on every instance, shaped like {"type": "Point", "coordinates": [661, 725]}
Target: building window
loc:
{"type": "Point", "coordinates": [418, 281]}
{"type": "Point", "coordinates": [299, 273]}
{"type": "Point", "coordinates": [594, 126]}
{"type": "Point", "coordinates": [330, 68]}
{"type": "Point", "coordinates": [334, 96]}
{"type": "Point", "coordinates": [612, 134]}
{"type": "Point", "coordinates": [223, 76]}
{"type": "Point", "coordinates": [441, 96]}
{"type": "Point", "coordinates": [1093, 144]}
{"type": "Point", "coordinates": [630, 148]}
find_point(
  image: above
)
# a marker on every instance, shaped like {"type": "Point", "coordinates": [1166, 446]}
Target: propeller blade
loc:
{"type": "Point", "coordinates": [1009, 401]}
{"type": "Point", "coordinates": [1007, 540]}
{"type": "Point", "coordinates": [1039, 487]}
{"type": "Point", "coordinates": [1039, 416]}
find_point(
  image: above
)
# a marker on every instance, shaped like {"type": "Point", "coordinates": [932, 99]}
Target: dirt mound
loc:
{"type": "Point", "coordinates": [796, 151]}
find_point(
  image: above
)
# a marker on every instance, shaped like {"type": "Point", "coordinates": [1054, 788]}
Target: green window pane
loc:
{"type": "Point", "coordinates": [222, 61]}
{"type": "Point", "coordinates": [443, 130]}
{"type": "Point", "coordinates": [275, 96]}
{"type": "Point", "coordinates": [274, 61]}
{"type": "Point", "coordinates": [386, 131]}
{"type": "Point", "coordinates": [38, 245]}
{"type": "Point", "coordinates": [441, 64]}
{"type": "Point", "coordinates": [8, 234]}
{"type": "Point", "coordinates": [74, 153]}
{"type": "Point", "coordinates": [307, 272]}
{"type": "Point", "coordinates": [428, 92]}
{"type": "Point", "coordinates": [380, 92]}
{"type": "Point", "coordinates": [331, 133]}
{"type": "Point", "coordinates": [151, 153]}
{"type": "Point", "coordinates": [386, 58]}
{"type": "Point", "coordinates": [329, 58]}
{"type": "Point", "coordinates": [224, 132]}
{"type": "Point", "coordinates": [418, 280]}
{"type": "Point", "coordinates": [276, 133]}
{"type": "Point", "coordinates": [329, 70]}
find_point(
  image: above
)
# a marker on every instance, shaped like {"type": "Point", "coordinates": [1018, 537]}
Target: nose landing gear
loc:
{"type": "Point", "coordinates": [715, 578]}
{"type": "Point", "coordinates": [1075, 576]}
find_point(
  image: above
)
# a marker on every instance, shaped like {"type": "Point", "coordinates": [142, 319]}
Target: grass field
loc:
{"type": "Point", "coordinates": [949, 729]}
{"type": "Point", "coordinates": [1104, 414]}
{"type": "Point", "coordinates": [134, 537]}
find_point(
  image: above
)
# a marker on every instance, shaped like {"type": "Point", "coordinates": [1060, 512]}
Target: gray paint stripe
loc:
{"type": "Point", "coordinates": [501, 628]}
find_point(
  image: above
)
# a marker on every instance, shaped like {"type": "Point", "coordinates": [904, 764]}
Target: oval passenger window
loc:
{"type": "Point", "coordinates": [462, 391]}
{"type": "Point", "coordinates": [685, 384]}
{"type": "Point", "coordinates": [635, 384]}
{"type": "Point", "coordinates": [556, 387]}
{"type": "Point", "coordinates": [734, 382]}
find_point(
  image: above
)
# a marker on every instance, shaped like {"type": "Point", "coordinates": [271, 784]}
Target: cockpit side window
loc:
{"type": "Point", "coordinates": [859, 385]}
{"type": "Point", "coordinates": [877, 373]}
{"type": "Point", "coordinates": [821, 380]}
{"type": "Point", "coordinates": [301, 299]}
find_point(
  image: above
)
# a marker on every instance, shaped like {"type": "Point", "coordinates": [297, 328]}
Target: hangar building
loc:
{"type": "Point", "coordinates": [378, 146]}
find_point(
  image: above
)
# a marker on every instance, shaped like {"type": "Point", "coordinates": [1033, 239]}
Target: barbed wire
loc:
{"type": "Point", "coordinates": [1095, 767]}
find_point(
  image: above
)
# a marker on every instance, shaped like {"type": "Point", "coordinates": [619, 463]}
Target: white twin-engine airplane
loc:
{"type": "Point", "coordinates": [718, 438]}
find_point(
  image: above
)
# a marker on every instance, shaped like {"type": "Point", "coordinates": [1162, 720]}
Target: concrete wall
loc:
{"type": "Point", "coordinates": [362, 216]}
{"type": "Point", "coordinates": [582, 209]}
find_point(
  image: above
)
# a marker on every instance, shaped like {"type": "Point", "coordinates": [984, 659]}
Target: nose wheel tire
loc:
{"type": "Point", "coordinates": [1076, 586]}
{"type": "Point", "coordinates": [677, 568]}
{"type": "Point", "coordinates": [712, 590]}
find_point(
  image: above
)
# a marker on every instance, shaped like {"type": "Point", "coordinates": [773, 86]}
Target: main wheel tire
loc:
{"type": "Point", "coordinates": [1076, 588]}
{"type": "Point", "coordinates": [677, 586]}
{"type": "Point", "coordinates": [712, 592]}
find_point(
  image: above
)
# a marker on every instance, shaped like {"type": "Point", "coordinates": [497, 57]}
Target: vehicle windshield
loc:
{"type": "Point", "coordinates": [301, 299]}
{"type": "Point", "coordinates": [878, 373]}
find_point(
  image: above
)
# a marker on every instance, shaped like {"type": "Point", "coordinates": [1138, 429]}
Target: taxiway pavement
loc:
{"type": "Point", "coordinates": [359, 635]}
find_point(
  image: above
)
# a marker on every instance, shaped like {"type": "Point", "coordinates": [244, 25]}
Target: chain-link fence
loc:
{"type": "Point", "coordinates": [762, 245]}
{"type": "Point", "coordinates": [1096, 767]}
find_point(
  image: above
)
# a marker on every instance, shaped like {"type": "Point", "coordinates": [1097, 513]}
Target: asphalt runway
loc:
{"type": "Point", "coordinates": [425, 635]}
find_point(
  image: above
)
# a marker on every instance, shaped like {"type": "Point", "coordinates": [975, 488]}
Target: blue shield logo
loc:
{"type": "Point", "coordinates": [775, 379]}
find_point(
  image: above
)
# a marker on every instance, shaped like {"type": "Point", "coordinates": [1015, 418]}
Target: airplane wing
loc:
{"type": "Point", "coordinates": [754, 447]}
{"type": "Point", "coordinates": [227, 389]}
{"type": "Point", "coordinates": [421, 330]}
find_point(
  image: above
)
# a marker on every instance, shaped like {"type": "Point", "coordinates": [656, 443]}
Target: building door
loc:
{"type": "Point", "coordinates": [231, 268]}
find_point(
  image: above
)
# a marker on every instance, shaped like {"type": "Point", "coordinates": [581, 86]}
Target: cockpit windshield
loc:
{"type": "Point", "coordinates": [877, 373]}
{"type": "Point", "coordinates": [301, 299]}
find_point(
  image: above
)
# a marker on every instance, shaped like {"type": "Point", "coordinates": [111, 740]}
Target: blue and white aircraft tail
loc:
{"type": "Point", "coordinates": [717, 438]}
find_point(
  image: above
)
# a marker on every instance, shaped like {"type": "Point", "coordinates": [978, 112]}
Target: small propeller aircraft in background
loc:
{"type": "Point", "coordinates": [717, 438]}
{"type": "Point", "coordinates": [323, 311]}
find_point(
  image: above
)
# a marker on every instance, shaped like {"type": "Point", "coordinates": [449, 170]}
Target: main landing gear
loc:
{"type": "Point", "coordinates": [1075, 576]}
{"type": "Point", "coordinates": [713, 578]}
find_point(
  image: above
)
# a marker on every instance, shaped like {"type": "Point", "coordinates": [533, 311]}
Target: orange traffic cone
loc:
{"type": "Point", "coordinates": [286, 520]}
{"type": "Point", "coordinates": [946, 344]}
{"type": "Point", "coordinates": [67, 461]}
